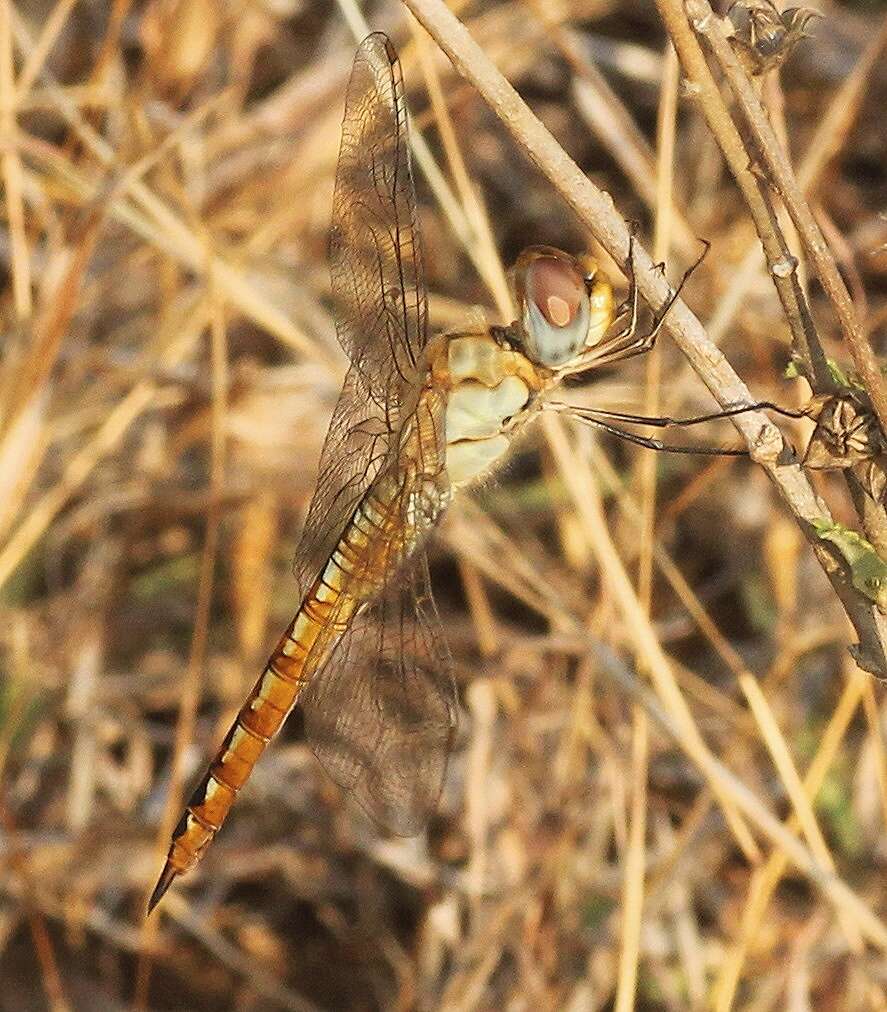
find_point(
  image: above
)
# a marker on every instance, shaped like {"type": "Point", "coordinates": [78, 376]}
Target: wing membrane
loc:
{"type": "Point", "coordinates": [379, 290]}
{"type": "Point", "coordinates": [381, 714]}
{"type": "Point", "coordinates": [380, 706]}
{"type": "Point", "coordinates": [358, 445]}
{"type": "Point", "coordinates": [375, 253]}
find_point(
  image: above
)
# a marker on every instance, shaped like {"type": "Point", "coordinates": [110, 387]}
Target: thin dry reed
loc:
{"type": "Point", "coordinates": [669, 789]}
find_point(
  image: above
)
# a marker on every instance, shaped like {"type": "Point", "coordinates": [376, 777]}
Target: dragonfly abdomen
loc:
{"type": "Point", "coordinates": [347, 580]}
{"type": "Point", "coordinates": [259, 720]}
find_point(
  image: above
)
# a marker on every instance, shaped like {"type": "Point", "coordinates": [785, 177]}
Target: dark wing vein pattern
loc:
{"type": "Point", "coordinates": [357, 447]}
{"type": "Point", "coordinates": [380, 707]}
{"type": "Point", "coordinates": [380, 702]}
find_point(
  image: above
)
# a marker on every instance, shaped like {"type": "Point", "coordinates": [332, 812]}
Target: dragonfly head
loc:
{"type": "Point", "coordinates": [552, 291]}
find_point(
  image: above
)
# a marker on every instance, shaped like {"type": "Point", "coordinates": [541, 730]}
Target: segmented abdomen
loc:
{"type": "Point", "coordinates": [350, 578]}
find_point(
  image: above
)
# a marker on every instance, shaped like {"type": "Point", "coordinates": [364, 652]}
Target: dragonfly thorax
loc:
{"type": "Point", "coordinates": [489, 389]}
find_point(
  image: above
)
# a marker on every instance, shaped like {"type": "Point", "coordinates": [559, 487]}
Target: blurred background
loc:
{"type": "Point", "coordinates": [169, 364]}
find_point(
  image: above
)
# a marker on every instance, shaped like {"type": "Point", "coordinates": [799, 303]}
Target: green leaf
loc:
{"type": "Point", "coordinates": [843, 380]}
{"type": "Point", "coordinates": [868, 570]}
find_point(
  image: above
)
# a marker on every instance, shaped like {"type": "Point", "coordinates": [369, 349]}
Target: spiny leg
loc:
{"type": "Point", "coordinates": [656, 444]}
{"type": "Point", "coordinates": [596, 418]}
{"type": "Point", "coordinates": [646, 342]}
{"type": "Point", "coordinates": [676, 294]}
{"type": "Point", "coordinates": [666, 421]}
{"type": "Point", "coordinates": [631, 303]}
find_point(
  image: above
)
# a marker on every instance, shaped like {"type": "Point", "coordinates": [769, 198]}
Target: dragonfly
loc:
{"type": "Point", "coordinates": [419, 417]}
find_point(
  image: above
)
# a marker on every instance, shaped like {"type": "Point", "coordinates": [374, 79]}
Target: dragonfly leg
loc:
{"type": "Point", "coordinates": [626, 342]}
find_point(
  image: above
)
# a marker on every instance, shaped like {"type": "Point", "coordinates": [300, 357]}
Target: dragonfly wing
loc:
{"type": "Point", "coordinates": [375, 252]}
{"type": "Point", "coordinates": [357, 445]}
{"type": "Point", "coordinates": [379, 290]}
{"type": "Point", "coordinates": [380, 707]}
{"type": "Point", "coordinates": [381, 713]}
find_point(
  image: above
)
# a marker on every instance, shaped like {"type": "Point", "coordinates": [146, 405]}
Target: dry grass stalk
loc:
{"type": "Point", "coordinates": [713, 840]}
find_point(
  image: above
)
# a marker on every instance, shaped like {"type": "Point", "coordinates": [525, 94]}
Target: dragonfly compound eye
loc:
{"type": "Point", "coordinates": [553, 296]}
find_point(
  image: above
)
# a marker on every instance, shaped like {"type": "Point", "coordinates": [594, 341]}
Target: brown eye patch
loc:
{"type": "Point", "coordinates": [556, 289]}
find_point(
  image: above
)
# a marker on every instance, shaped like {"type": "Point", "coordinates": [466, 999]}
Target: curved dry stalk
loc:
{"type": "Point", "coordinates": [666, 706]}
{"type": "Point", "coordinates": [13, 182]}
{"type": "Point", "coordinates": [768, 875]}
{"type": "Point", "coordinates": [635, 858]}
{"type": "Point", "coordinates": [769, 152]}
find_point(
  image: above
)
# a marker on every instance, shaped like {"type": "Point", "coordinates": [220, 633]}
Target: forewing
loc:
{"type": "Point", "coordinates": [375, 255]}
{"type": "Point", "coordinates": [381, 712]}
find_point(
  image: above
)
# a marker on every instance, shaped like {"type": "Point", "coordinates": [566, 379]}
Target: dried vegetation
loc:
{"type": "Point", "coordinates": [689, 808]}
